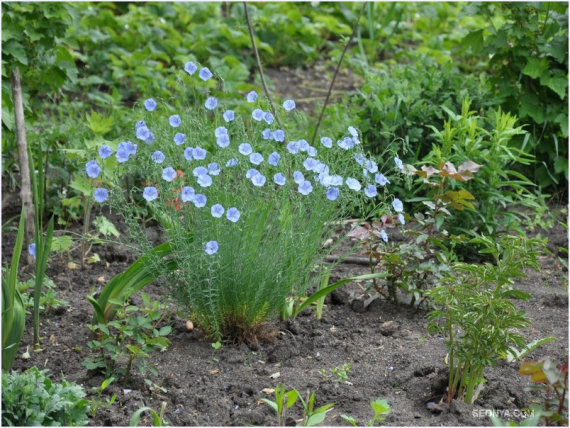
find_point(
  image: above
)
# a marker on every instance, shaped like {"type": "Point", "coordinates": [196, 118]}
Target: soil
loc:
{"type": "Point", "coordinates": [390, 352]}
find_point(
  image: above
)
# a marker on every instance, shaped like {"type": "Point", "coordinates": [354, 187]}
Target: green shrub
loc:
{"type": "Point", "coordinates": [32, 399]}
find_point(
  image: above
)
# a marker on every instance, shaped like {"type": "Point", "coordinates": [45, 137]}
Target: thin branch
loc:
{"type": "Point", "coordinates": [249, 26]}
{"type": "Point", "coordinates": [354, 29]}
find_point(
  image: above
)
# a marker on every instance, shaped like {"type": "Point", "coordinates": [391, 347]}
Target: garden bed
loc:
{"type": "Point", "coordinates": [390, 352]}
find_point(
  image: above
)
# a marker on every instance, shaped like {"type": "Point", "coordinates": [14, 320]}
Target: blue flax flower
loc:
{"type": "Point", "coordinates": [233, 214]}
{"type": "Point", "coordinates": [327, 142]}
{"type": "Point", "coordinates": [214, 169]}
{"type": "Point", "coordinates": [199, 153]}
{"type": "Point", "coordinates": [332, 193]}
{"type": "Point", "coordinates": [251, 97]}
{"type": "Point", "coordinates": [279, 179]}
{"type": "Point", "coordinates": [268, 117]}
{"type": "Point", "coordinates": [200, 200]}
{"type": "Point", "coordinates": [303, 145]}
{"type": "Point", "coordinates": [150, 193]}
{"type": "Point", "coordinates": [251, 173]}
{"type": "Point", "coordinates": [353, 184]}
{"type": "Point", "coordinates": [371, 166]}
{"type": "Point", "coordinates": [150, 104]}
{"type": "Point", "coordinates": [220, 130]}
{"type": "Point", "coordinates": [311, 151]}
{"type": "Point", "coordinates": [187, 194]}
{"type": "Point", "coordinates": [274, 158]}
{"type": "Point", "coordinates": [179, 138]}
{"type": "Point", "coordinates": [101, 194]}
{"type": "Point", "coordinates": [204, 180]}
{"type": "Point", "coordinates": [401, 218]}
{"type": "Point", "coordinates": [199, 170]}
{"type": "Point", "coordinates": [211, 103]}
{"type": "Point", "coordinates": [289, 105]}
{"type": "Point", "coordinates": [190, 68]}
{"type": "Point", "coordinates": [352, 130]}
{"type": "Point", "coordinates": [211, 247]}
{"type": "Point", "coordinates": [92, 169]}
{"type": "Point", "coordinates": [258, 114]}
{"type": "Point", "coordinates": [129, 147]}
{"type": "Point", "coordinates": [346, 143]}
{"type": "Point", "coordinates": [245, 149]}
{"type": "Point", "coordinates": [188, 153]}
{"type": "Point", "coordinates": [359, 158]}
{"type": "Point", "coordinates": [298, 177]}
{"type": "Point", "coordinates": [217, 211]}
{"type": "Point", "coordinates": [278, 136]}
{"type": "Point", "coordinates": [310, 164]}
{"type": "Point", "coordinates": [205, 74]}
{"type": "Point", "coordinates": [150, 138]}
{"type": "Point", "coordinates": [105, 151]}
{"type": "Point", "coordinates": [157, 157]}
{"type": "Point", "coordinates": [232, 162]}
{"type": "Point", "coordinates": [223, 141]}
{"type": "Point", "coordinates": [255, 158]}
{"type": "Point", "coordinates": [398, 162]}
{"type": "Point", "coordinates": [122, 156]}
{"type": "Point", "coordinates": [266, 134]}
{"type": "Point", "coordinates": [398, 205]}
{"type": "Point", "coordinates": [305, 187]}
{"type": "Point", "coordinates": [258, 180]}
{"type": "Point", "coordinates": [370, 191]}
{"type": "Point", "coordinates": [293, 147]}
{"type": "Point", "coordinates": [384, 235]}
{"type": "Point", "coordinates": [229, 115]}
{"type": "Point", "coordinates": [175, 121]}
{"type": "Point", "coordinates": [168, 174]}
{"type": "Point", "coordinates": [381, 180]}
{"type": "Point", "coordinates": [32, 250]}
{"type": "Point", "coordinates": [143, 133]}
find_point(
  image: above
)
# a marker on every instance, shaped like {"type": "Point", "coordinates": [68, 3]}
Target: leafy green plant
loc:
{"type": "Point", "coordinates": [480, 322]}
{"type": "Point", "coordinates": [128, 340]}
{"type": "Point", "coordinates": [98, 402]}
{"type": "Point", "coordinates": [48, 297]}
{"type": "Point", "coordinates": [157, 418]}
{"type": "Point", "coordinates": [13, 310]}
{"type": "Point", "coordinates": [339, 373]}
{"type": "Point", "coordinates": [513, 354]}
{"type": "Point", "coordinates": [380, 408]}
{"type": "Point", "coordinates": [32, 399]}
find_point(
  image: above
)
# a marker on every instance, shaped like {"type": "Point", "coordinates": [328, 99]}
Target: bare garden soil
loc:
{"type": "Point", "coordinates": [390, 353]}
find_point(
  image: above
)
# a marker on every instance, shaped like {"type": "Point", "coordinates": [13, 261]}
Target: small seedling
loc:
{"type": "Point", "coordinates": [380, 408]}
{"type": "Point", "coordinates": [98, 402]}
{"type": "Point", "coordinates": [340, 373]}
{"type": "Point", "coordinates": [157, 418]}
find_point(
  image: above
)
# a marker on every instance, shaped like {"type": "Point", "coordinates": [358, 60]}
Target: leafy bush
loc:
{"type": "Point", "coordinates": [527, 44]}
{"type": "Point", "coordinates": [32, 399]}
{"type": "Point", "coordinates": [228, 273]}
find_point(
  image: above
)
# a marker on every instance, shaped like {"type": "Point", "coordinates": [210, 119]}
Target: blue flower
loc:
{"type": "Point", "coordinates": [279, 179]}
{"type": "Point", "coordinates": [327, 142]}
{"type": "Point", "coordinates": [139, 124]}
{"type": "Point", "coordinates": [311, 151]}
{"type": "Point", "coordinates": [257, 114]}
{"type": "Point", "coordinates": [200, 200]}
{"type": "Point", "coordinates": [211, 103]}
{"type": "Point", "coordinates": [401, 218]}
{"type": "Point", "coordinates": [158, 157]}
{"type": "Point", "coordinates": [298, 177]}
{"type": "Point", "coordinates": [175, 121]}
{"type": "Point", "coordinates": [251, 96]}
{"type": "Point", "coordinates": [258, 180]}
{"type": "Point", "coordinates": [383, 235]}
{"type": "Point", "coordinates": [274, 158]}
{"type": "Point", "coordinates": [199, 153]}
{"type": "Point", "coordinates": [187, 194]}
{"type": "Point", "coordinates": [179, 138]}
{"type": "Point", "coordinates": [353, 184]}
{"type": "Point", "coordinates": [205, 73]}
{"type": "Point", "coordinates": [293, 147]}
{"type": "Point", "coordinates": [332, 193]}
{"type": "Point", "coordinates": [100, 194]}
{"type": "Point", "coordinates": [398, 205]}
{"type": "Point", "coordinates": [122, 156]}
{"type": "Point", "coordinates": [217, 211]}
{"type": "Point", "coordinates": [251, 173]}
{"type": "Point", "coordinates": [190, 68]}
{"type": "Point", "coordinates": [229, 115]}
{"type": "Point", "coordinates": [199, 170]}
{"type": "Point", "coordinates": [211, 247]}
{"type": "Point", "coordinates": [143, 133]}
{"type": "Point", "coordinates": [346, 143]}
{"type": "Point", "coordinates": [398, 162]}
{"type": "Point", "coordinates": [255, 158]}
{"type": "Point", "coordinates": [359, 158]}
{"type": "Point", "coordinates": [305, 187]}
{"type": "Point", "coordinates": [150, 104]}
{"type": "Point", "coordinates": [220, 130]}
{"type": "Point", "coordinates": [381, 180]}
{"type": "Point", "coordinates": [223, 141]}
{"type": "Point", "coordinates": [150, 193]}
{"type": "Point", "coordinates": [268, 117]}
{"type": "Point", "coordinates": [310, 164]}
{"type": "Point", "coordinates": [188, 153]}
{"type": "Point", "coordinates": [204, 180]}
{"type": "Point", "coordinates": [289, 105]}
{"type": "Point", "coordinates": [266, 133]}
{"type": "Point", "coordinates": [371, 166]}
{"type": "Point", "coordinates": [232, 162]}
{"type": "Point", "coordinates": [352, 130]}
{"type": "Point", "coordinates": [168, 174]}
{"type": "Point", "coordinates": [150, 138]}
{"type": "Point", "coordinates": [92, 169]}
{"type": "Point", "coordinates": [336, 180]}
{"type": "Point", "coordinates": [303, 145]}
{"type": "Point", "coordinates": [245, 149]}
{"type": "Point", "coordinates": [32, 250]}
{"type": "Point", "coordinates": [370, 191]}
{"type": "Point", "coordinates": [278, 136]}
{"type": "Point", "coordinates": [105, 152]}
{"type": "Point", "coordinates": [233, 214]}
{"type": "Point", "coordinates": [214, 169]}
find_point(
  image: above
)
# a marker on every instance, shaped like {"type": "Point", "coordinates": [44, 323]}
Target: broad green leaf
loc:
{"type": "Point", "coordinates": [105, 227]}
{"type": "Point", "coordinates": [557, 83]}
{"type": "Point", "coordinates": [535, 67]}
{"type": "Point", "coordinates": [61, 243]}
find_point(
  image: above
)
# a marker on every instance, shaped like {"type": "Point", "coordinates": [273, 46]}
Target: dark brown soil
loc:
{"type": "Point", "coordinates": [390, 353]}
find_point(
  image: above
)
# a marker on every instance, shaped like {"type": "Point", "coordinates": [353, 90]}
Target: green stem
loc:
{"type": "Point", "coordinates": [87, 205]}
